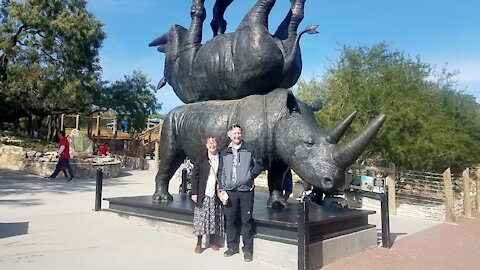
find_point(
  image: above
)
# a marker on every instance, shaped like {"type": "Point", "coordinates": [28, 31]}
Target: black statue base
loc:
{"type": "Point", "coordinates": [333, 231]}
{"type": "Point", "coordinates": [272, 224]}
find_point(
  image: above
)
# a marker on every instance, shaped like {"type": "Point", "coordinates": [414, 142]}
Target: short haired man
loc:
{"type": "Point", "coordinates": [63, 154]}
{"type": "Point", "coordinates": [240, 167]}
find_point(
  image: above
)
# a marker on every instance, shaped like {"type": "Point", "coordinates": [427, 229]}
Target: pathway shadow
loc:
{"type": "Point", "coordinates": [18, 183]}
{"type": "Point", "coordinates": [22, 202]}
{"type": "Point", "coordinates": [124, 173]}
{"type": "Point", "coordinates": [13, 229]}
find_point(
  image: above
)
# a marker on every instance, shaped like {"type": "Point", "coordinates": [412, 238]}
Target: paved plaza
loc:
{"type": "Point", "coordinates": [52, 225]}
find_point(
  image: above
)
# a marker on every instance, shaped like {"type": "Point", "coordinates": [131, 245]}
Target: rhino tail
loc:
{"type": "Point", "coordinates": [346, 154]}
{"type": "Point", "coordinates": [311, 29]}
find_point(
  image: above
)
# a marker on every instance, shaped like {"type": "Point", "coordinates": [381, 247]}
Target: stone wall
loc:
{"type": "Point", "coordinates": [81, 170]}
{"type": "Point", "coordinates": [12, 157]}
{"type": "Point", "coordinates": [17, 158]}
{"type": "Point", "coordinates": [132, 163]}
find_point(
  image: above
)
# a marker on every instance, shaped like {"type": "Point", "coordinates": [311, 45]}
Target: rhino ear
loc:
{"type": "Point", "coordinates": [317, 105]}
{"type": "Point", "coordinates": [292, 103]}
{"type": "Point", "coordinates": [162, 48]}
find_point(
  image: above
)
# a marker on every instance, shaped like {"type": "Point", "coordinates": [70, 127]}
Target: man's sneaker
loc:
{"type": "Point", "coordinates": [70, 179]}
{"type": "Point", "coordinates": [48, 178]}
{"type": "Point", "coordinates": [229, 253]}
{"type": "Point", "coordinates": [247, 256]}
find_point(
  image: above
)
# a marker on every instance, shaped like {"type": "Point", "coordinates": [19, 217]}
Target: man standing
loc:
{"type": "Point", "coordinates": [240, 167]}
{"type": "Point", "coordinates": [63, 154]}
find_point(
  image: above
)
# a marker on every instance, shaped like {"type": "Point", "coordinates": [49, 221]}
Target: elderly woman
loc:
{"type": "Point", "coordinates": [208, 215]}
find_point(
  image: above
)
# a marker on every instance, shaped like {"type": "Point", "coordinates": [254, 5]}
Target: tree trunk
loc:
{"type": "Point", "coordinates": [29, 126]}
{"type": "Point", "coordinates": [53, 127]}
{"type": "Point", "coordinates": [39, 125]}
{"type": "Point", "coordinates": [89, 127]}
{"type": "Point", "coordinates": [49, 128]}
{"type": "Point", "coordinates": [3, 67]}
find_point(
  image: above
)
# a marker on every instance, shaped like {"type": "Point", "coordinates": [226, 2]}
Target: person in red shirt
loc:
{"type": "Point", "coordinates": [63, 154]}
{"type": "Point", "coordinates": [103, 150]}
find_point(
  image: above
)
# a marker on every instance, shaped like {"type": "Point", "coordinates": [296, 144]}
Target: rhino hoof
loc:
{"type": "Point", "coordinates": [276, 200]}
{"type": "Point", "coordinates": [278, 205]}
{"type": "Point", "coordinates": [162, 196]}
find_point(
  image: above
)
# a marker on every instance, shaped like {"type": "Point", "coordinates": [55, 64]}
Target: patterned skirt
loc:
{"type": "Point", "coordinates": [208, 219]}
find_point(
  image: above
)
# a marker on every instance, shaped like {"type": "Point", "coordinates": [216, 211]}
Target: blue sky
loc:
{"type": "Point", "coordinates": [444, 33]}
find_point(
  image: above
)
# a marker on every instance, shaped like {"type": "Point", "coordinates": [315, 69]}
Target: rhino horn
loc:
{"type": "Point", "coordinates": [346, 154]}
{"type": "Point", "coordinates": [337, 132]}
{"type": "Point", "coordinates": [163, 39]}
{"type": "Point", "coordinates": [161, 83]}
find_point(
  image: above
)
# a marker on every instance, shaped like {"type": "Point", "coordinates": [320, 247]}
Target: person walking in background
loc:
{"type": "Point", "coordinates": [64, 170]}
{"type": "Point", "coordinates": [63, 154]}
{"type": "Point", "coordinates": [240, 167]}
{"type": "Point", "coordinates": [287, 185]}
{"type": "Point", "coordinates": [207, 214]}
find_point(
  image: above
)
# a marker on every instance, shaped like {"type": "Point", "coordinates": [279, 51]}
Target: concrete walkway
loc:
{"type": "Point", "coordinates": [51, 225]}
{"type": "Point", "coordinates": [447, 246]}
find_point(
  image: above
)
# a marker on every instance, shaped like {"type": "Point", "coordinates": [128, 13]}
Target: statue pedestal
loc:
{"type": "Point", "coordinates": [334, 232]}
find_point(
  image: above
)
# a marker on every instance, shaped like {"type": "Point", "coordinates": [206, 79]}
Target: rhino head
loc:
{"type": "Point", "coordinates": [170, 43]}
{"type": "Point", "coordinates": [314, 153]}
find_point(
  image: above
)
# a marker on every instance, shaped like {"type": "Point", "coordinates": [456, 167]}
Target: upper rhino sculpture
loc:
{"type": "Point", "coordinates": [282, 128]}
{"type": "Point", "coordinates": [234, 65]}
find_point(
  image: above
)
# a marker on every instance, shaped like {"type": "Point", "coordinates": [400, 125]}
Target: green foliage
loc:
{"type": "Point", "coordinates": [52, 51]}
{"type": "Point", "coordinates": [158, 115]}
{"type": "Point", "coordinates": [430, 125]}
{"type": "Point", "coordinates": [34, 145]}
{"type": "Point", "coordinates": [132, 97]}
{"type": "Point", "coordinates": [49, 50]}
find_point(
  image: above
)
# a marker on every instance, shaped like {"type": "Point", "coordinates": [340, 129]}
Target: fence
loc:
{"type": "Point", "coordinates": [434, 196]}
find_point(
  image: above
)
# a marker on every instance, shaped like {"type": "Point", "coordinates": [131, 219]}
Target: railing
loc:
{"type": "Point", "coordinates": [431, 195]}
{"type": "Point", "coordinates": [106, 127]}
{"type": "Point", "coordinates": [151, 135]}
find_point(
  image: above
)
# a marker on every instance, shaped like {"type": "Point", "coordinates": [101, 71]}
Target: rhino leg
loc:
{"type": "Point", "coordinates": [218, 24]}
{"type": "Point", "coordinates": [258, 14]}
{"type": "Point", "coordinates": [289, 26]}
{"type": "Point", "coordinates": [171, 157]}
{"type": "Point", "coordinates": [298, 7]}
{"type": "Point", "coordinates": [198, 15]}
{"type": "Point", "coordinates": [276, 174]}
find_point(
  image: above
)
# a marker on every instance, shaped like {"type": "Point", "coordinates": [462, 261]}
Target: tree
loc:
{"type": "Point", "coordinates": [430, 125]}
{"type": "Point", "coordinates": [133, 97]}
{"type": "Point", "coordinates": [49, 57]}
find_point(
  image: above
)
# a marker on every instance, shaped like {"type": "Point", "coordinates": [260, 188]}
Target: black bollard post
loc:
{"type": "Point", "coordinates": [385, 219]}
{"type": "Point", "coordinates": [303, 234]}
{"type": "Point", "coordinates": [98, 190]}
